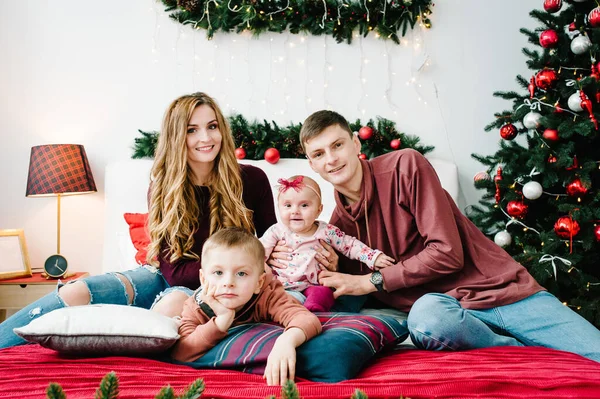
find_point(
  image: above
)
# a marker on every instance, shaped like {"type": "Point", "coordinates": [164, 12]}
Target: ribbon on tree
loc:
{"type": "Point", "coordinates": [550, 258]}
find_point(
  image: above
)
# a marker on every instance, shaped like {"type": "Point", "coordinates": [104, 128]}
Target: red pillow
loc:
{"type": "Point", "coordinates": [139, 234]}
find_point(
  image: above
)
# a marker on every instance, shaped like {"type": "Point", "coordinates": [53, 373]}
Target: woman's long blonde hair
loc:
{"type": "Point", "coordinates": [174, 211]}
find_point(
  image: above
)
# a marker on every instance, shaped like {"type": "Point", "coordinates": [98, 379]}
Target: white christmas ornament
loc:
{"type": "Point", "coordinates": [532, 120]}
{"type": "Point", "coordinates": [574, 102]}
{"type": "Point", "coordinates": [532, 190]}
{"type": "Point", "coordinates": [503, 238]}
{"type": "Point", "coordinates": [580, 44]}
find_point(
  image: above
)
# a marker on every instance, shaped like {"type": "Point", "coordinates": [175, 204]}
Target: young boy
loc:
{"type": "Point", "coordinates": [235, 290]}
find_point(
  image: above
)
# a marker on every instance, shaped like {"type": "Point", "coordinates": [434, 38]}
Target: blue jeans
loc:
{"type": "Point", "coordinates": [438, 322]}
{"type": "Point", "coordinates": [148, 285]}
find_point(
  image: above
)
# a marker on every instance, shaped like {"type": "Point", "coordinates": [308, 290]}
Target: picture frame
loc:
{"type": "Point", "coordinates": [14, 258]}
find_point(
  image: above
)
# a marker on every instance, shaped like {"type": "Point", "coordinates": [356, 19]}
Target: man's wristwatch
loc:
{"type": "Point", "coordinates": [377, 280]}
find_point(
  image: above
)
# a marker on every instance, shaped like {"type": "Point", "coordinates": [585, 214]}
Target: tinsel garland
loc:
{"type": "Point", "coordinates": [387, 18]}
{"type": "Point", "coordinates": [256, 137]}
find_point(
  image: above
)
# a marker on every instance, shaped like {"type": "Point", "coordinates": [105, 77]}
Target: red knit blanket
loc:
{"type": "Point", "coordinates": [504, 372]}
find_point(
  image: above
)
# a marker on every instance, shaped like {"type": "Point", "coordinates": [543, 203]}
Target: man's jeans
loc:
{"type": "Point", "coordinates": [438, 322]}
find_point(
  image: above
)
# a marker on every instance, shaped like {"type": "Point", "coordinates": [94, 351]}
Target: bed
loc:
{"type": "Point", "coordinates": [502, 372]}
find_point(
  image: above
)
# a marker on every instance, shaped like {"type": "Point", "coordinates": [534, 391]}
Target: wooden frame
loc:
{"type": "Point", "coordinates": [14, 258]}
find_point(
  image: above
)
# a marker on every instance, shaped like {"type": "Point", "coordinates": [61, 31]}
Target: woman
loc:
{"type": "Point", "coordinates": [197, 188]}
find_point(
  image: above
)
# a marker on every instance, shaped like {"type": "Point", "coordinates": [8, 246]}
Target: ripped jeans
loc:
{"type": "Point", "coordinates": [148, 284]}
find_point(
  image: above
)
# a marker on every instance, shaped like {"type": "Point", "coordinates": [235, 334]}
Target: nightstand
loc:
{"type": "Point", "coordinates": [16, 293]}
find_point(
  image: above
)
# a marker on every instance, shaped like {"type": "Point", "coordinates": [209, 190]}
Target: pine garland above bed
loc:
{"type": "Point", "coordinates": [255, 138]}
{"type": "Point", "coordinates": [338, 18]}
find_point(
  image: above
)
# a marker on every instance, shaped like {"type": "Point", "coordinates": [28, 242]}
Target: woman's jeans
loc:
{"type": "Point", "coordinates": [438, 322]}
{"type": "Point", "coordinates": [148, 285]}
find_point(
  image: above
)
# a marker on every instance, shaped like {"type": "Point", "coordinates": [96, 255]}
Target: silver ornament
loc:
{"type": "Point", "coordinates": [580, 44]}
{"type": "Point", "coordinates": [532, 120]}
{"type": "Point", "coordinates": [503, 238]}
{"type": "Point", "coordinates": [532, 190]}
{"type": "Point", "coordinates": [574, 102]}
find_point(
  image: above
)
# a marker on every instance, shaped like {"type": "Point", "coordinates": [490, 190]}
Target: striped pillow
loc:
{"type": "Point", "coordinates": [347, 342]}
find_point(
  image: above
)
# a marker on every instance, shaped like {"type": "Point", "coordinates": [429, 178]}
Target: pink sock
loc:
{"type": "Point", "coordinates": [318, 298]}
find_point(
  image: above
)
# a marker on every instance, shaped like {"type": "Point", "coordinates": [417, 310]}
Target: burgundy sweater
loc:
{"type": "Point", "coordinates": [404, 212]}
{"type": "Point", "coordinates": [257, 197]}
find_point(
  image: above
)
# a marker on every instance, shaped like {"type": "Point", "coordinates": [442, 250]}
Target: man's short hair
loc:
{"type": "Point", "coordinates": [319, 121]}
{"type": "Point", "coordinates": [233, 237]}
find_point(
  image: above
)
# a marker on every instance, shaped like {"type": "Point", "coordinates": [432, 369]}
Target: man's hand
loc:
{"type": "Point", "coordinates": [327, 257]}
{"type": "Point", "coordinates": [281, 363]}
{"type": "Point", "coordinates": [224, 316]}
{"type": "Point", "coordinates": [280, 256]}
{"type": "Point", "coordinates": [382, 261]}
{"type": "Point", "coordinates": [346, 284]}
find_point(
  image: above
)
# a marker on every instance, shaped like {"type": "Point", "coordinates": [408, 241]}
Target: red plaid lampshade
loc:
{"type": "Point", "coordinates": [59, 169]}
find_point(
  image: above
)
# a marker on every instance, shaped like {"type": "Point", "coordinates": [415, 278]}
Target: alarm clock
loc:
{"type": "Point", "coordinates": [56, 266]}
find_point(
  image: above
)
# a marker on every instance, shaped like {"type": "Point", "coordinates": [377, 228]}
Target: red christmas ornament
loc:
{"type": "Point", "coordinates": [272, 155]}
{"type": "Point", "coordinates": [362, 156]}
{"type": "Point", "coordinates": [597, 233]}
{"type": "Point", "coordinates": [576, 188]}
{"type": "Point", "coordinates": [365, 132]}
{"type": "Point", "coordinates": [552, 159]}
{"type": "Point", "coordinates": [545, 78]}
{"type": "Point", "coordinates": [508, 131]}
{"type": "Point", "coordinates": [594, 17]}
{"type": "Point", "coordinates": [557, 108]}
{"type": "Point", "coordinates": [572, 27]}
{"type": "Point", "coordinates": [587, 105]}
{"type": "Point", "coordinates": [548, 38]}
{"type": "Point", "coordinates": [395, 144]}
{"type": "Point", "coordinates": [531, 87]}
{"type": "Point", "coordinates": [566, 228]}
{"type": "Point", "coordinates": [497, 179]}
{"type": "Point", "coordinates": [594, 73]}
{"type": "Point", "coordinates": [517, 209]}
{"type": "Point", "coordinates": [575, 164]}
{"type": "Point", "coordinates": [552, 6]}
{"type": "Point", "coordinates": [550, 134]}
{"type": "Point", "coordinates": [240, 153]}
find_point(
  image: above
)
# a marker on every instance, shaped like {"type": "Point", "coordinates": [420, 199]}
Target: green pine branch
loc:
{"type": "Point", "coordinates": [338, 19]}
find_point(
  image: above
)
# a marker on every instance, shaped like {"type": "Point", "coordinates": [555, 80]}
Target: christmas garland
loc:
{"type": "Point", "coordinates": [267, 140]}
{"type": "Point", "coordinates": [339, 18]}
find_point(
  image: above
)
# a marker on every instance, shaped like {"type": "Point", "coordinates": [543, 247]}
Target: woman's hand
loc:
{"type": "Point", "coordinates": [280, 256]}
{"type": "Point", "coordinates": [327, 257]}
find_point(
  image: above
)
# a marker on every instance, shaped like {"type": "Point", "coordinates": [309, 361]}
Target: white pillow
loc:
{"type": "Point", "coordinates": [102, 330]}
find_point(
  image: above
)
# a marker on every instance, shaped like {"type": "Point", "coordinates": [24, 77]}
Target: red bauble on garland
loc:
{"type": "Point", "coordinates": [395, 144]}
{"type": "Point", "coordinates": [576, 188]}
{"type": "Point", "coordinates": [552, 159]}
{"type": "Point", "coordinates": [517, 209]}
{"type": "Point", "coordinates": [552, 6]}
{"type": "Point", "coordinates": [240, 153]}
{"type": "Point", "coordinates": [365, 132]}
{"type": "Point", "coordinates": [508, 131]}
{"type": "Point", "coordinates": [548, 38]}
{"type": "Point", "coordinates": [594, 17]}
{"type": "Point", "coordinates": [545, 78]}
{"type": "Point", "coordinates": [550, 134]}
{"type": "Point", "coordinates": [362, 156]}
{"type": "Point", "coordinates": [272, 155]}
{"type": "Point", "coordinates": [597, 233]}
{"type": "Point", "coordinates": [566, 228]}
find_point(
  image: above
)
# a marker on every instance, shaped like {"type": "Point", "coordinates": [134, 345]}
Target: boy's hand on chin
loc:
{"type": "Point", "coordinates": [224, 315]}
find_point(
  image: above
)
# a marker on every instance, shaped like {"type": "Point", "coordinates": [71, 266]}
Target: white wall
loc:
{"type": "Point", "coordinates": [93, 73]}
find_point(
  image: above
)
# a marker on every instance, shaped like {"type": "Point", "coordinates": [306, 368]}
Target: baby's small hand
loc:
{"type": "Point", "coordinates": [383, 261]}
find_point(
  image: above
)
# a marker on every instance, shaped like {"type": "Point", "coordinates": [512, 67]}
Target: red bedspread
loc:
{"type": "Point", "coordinates": [506, 372]}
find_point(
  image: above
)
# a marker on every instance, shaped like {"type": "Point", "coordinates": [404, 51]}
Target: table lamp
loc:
{"type": "Point", "coordinates": [57, 170]}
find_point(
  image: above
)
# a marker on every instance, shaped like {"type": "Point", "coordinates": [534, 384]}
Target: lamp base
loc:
{"type": "Point", "coordinates": [55, 266]}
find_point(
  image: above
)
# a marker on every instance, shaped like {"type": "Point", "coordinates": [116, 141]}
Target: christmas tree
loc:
{"type": "Point", "coordinates": [542, 200]}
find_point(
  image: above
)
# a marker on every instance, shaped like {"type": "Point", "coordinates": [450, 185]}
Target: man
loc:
{"type": "Point", "coordinates": [461, 290]}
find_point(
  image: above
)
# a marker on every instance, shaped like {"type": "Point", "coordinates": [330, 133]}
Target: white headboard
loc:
{"type": "Point", "coordinates": [126, 187]}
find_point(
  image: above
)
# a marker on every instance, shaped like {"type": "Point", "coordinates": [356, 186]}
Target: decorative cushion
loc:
{"type": "Point", "coordinates": [139, 235]}
{"type": "Point", "coordinates": [102, 330]}
{"type": "Point", "coordinates": [347, 343]}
